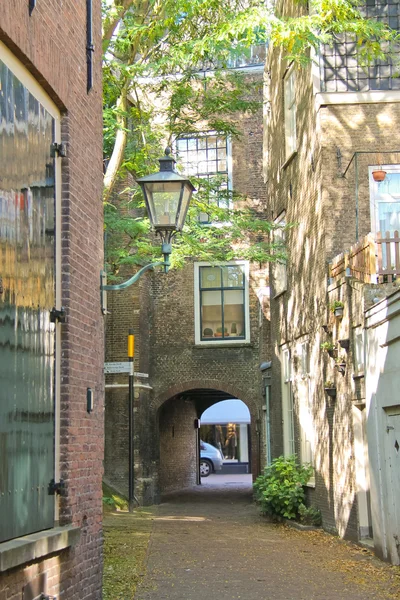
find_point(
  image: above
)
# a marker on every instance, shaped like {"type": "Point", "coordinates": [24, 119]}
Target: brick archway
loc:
{"type": "Point", "coordinates": [210, 384]}
{"type": "Point", "coordinates": [178, 391]}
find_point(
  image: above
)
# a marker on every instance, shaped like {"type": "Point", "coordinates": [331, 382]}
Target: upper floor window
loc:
{"type": "Point", "coordinates": [289, 88]}
{"type": "Point", "coordinates": [385, 200]}
{"type": "Point", "coordinates": [208, 156]}
{"type": "Point", "coordinates": [221, 302]}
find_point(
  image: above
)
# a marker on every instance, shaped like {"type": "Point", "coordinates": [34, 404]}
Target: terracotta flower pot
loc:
{"type": "Point", "coordinates": [378, 175]}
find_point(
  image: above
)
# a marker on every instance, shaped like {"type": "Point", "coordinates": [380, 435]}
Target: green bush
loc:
{"type": "Point", "coordinates": [280, 491]}
{"type": "Point", "coordinates": [309, 515]}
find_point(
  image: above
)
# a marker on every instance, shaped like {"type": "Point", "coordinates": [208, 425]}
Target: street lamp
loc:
{"type": "Point", "coordinates": [167, 195]}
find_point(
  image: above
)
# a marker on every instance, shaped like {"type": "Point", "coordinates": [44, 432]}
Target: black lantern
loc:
{"type": "Point", "coordinates": [167, 195]}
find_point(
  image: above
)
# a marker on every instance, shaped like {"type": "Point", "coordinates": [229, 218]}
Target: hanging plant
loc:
{"type": "Point", "coordinates": [328, 347]}
{"type": "Point", "coordinates": [330, 389]}
{"type": "Point", "coordinates": [378, 175]}
{"type": "Point", "coordinates": [337, 308]}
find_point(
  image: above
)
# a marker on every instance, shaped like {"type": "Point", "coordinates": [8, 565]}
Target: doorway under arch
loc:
{"type": "Point", "coordinates": [227, 426]}
{"type": "Point", "coordinates": [179, 439]}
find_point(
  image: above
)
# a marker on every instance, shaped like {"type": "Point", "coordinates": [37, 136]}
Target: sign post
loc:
{"type": "Point", "coordinates": [131, 354]}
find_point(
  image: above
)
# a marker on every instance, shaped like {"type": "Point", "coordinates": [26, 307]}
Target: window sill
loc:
{"type": "Point", "coordinates": [227, 344]}
{"type": "Point", "coordinates": [289, 160]}
{"type": "Point", "coordinates": [358, 376]}
{"type": "Point", "coordinates": [279, 294]}
{"type": "Point", "coordinates": [37, 545]}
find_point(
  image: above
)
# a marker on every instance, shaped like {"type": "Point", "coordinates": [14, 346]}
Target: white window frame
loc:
{"type": "Point", "coordinates": [374, 187]}
{"type": "Point", "coordinates": [289, 446]}
{"type": "Point", "coordinates": [38, 92]}
{"type": "Point", "coordinates": [229, 163]}
{"type": "Point", "coordinates": [279, 267]}
{"type": "Point", "coordinates": [359, 349]}
{"type": "Point", "coordinates": [306, 425]}
{"type": "Point", "coordinates": [290, 111]}
{"type": "Point", "coordinates": [197, 316]}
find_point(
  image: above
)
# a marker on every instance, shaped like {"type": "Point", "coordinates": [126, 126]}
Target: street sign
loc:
{"type": "Point", "coordinates": [118, 367]}
{"type": "Point", "coordinates": [121, 367]}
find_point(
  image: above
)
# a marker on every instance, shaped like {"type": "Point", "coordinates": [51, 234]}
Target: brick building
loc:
{"type": "Point", "coordinates": [176, 318]}
{"type": "Point", "coordinates": [51, 381]}
{"type": "Point", "coordinates": [328, 127]}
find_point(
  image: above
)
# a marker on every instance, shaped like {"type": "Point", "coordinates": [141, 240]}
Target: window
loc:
{"type": "Point", "coordinates": [358, 341]}
{"type": "Point", "coordinates": [221, 303]}
{"type": "Point", "coordinates": [29, 225]}
{"type": "Point", "coordinates": [207, 156]}
{"type": "Point", "coordinates": [279, 269]}
{"type": "Point", "coordinates": [305, 416]}
{"type": "Point", "coordinates": [287, 404]}
{"type": "Point", "coordinates": [385, 210]}
{"type": "Point", "coordinates": [289, 89]}
{"type": "Point", "coordinates": [385, 200]}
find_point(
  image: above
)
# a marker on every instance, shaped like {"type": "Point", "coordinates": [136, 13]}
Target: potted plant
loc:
{"type": "Point", "coordinates": [219, 332]}
{"type": "Point", "coordinates": [208, 332]}
{"type": "Point", "coordinates": [328, 347]}
{"type": "Point", "coordinates": [330, 388]}
{"type": "Point", "coordinates": [337, 308]}
{"type": "Point", "coordinates": [340, 364]}
{"type": "Point", "coordinates": [233, 329]}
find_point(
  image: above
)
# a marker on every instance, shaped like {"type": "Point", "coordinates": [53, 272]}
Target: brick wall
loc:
{"type": "Point", "coordinates": [321, 204]}
{"type": "Point", "coordinates": [52, 45]}
{"type": "Point", "coordinates": [178, 454]}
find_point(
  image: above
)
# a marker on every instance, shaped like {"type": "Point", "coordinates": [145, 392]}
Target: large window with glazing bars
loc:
{"type": "Point", "coordinates": [208, 156]}
{"type": "Point", "coordinates": [222, 302]}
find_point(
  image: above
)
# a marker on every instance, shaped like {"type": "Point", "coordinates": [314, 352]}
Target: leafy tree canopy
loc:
{"type": "Point", "coordinates": [158, 55]}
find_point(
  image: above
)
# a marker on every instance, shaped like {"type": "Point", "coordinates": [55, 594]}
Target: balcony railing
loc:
{"type": "Point", "coordinates": [373, 259]}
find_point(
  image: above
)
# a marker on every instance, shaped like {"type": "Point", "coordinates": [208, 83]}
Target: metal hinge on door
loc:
{"type": "Point", "coordinates": [57, 315]}
{"type": "Point", "coordinates": [56, 487]}
{"type": "Point", "coordinates": [389, 428]}
{"type": "Point", "coordinates": [59, 149]}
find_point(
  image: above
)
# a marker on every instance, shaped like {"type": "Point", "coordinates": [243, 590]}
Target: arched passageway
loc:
{"type": "Point", "coordinates": [226, 426]}
{"type": "Point", "coordinates": [179, 437]}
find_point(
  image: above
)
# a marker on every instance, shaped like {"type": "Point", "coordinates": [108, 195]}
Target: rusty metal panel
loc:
{"type": "Point", "coordinates": [27, 259]}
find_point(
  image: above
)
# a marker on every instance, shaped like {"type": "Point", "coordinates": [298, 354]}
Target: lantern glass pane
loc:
{"type": "Point", "coordinates": [163, 201]}
{"type": "Point", "coordinates": [187, 194]}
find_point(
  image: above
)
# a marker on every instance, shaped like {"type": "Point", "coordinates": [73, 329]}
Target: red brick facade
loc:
{"type": "Point", "coordinates": [51, 43]}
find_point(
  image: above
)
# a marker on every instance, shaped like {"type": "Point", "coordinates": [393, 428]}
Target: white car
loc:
{"type": "Point", "coordinates": [210, 459]}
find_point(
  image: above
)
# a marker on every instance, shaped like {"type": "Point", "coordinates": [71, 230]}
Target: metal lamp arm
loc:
{"type": "Point", "coordinates": [134, 278]}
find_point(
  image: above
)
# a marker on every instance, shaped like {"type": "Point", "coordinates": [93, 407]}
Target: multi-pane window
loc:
{"type": "Point", "coordinates": [207, 156]}
{"type": "Point", "coordinates": [222, 302]}
{"type": "Point", "coordinates": [385, 200]}
{"type": "Point", "coordinates": [385, 210]}
{"type": "Point", "coordinates": [289, 87]}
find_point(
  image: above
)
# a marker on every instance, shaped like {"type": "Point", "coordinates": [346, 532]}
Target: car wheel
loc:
{"type": "Point", "coordinates": [205, 467]}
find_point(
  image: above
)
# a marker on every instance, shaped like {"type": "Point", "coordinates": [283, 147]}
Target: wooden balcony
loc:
{"type": "Point", "coordinates": [373, 259]}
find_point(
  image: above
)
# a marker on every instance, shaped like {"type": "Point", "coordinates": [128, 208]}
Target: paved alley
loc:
{"type": "Point", "coordinates": [211, 543]}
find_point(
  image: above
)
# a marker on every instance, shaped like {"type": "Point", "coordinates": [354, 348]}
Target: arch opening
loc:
{"type": "Point", "coordinates": [228, 428]}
